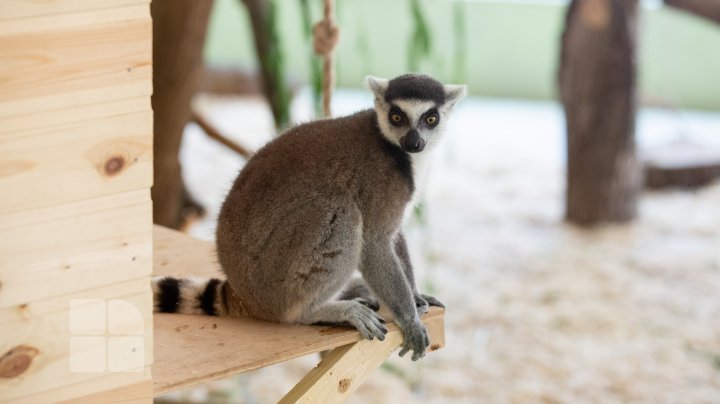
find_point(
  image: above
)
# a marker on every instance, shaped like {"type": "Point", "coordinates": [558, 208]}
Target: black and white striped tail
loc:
{"type": "Point", "coordinates": [189, 295]}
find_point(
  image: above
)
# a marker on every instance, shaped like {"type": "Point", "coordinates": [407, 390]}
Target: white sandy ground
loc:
{"type": "Point", "coordinates": [538, 311]}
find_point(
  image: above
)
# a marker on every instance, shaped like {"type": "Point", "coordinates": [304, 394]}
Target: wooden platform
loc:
{"type": "Point", "coordinates": [194, 349]}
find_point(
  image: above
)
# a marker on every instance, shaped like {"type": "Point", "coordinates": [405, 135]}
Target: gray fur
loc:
{"type": "Point", "coordinates": [318, 203]}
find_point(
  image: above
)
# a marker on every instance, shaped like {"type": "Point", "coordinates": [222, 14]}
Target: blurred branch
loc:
{"type": "Point", "coordinates": [709, 9]}
{"type": "Point", "coordinates": [229, 81]}
{"type": "Point", "coordinates": [215, 134]}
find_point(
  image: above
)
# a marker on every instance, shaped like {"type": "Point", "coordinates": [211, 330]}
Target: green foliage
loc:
{"type": "Point", "coordinates": [276, 67]}
{"type": "Point", "coordinates": [460, 40]}
{"type": "Point", "coordinates": [316, 79]}
{"type": "Point", "coordinates": [420, 45]}
{"type": "Point", "coordinates": [419, 213]}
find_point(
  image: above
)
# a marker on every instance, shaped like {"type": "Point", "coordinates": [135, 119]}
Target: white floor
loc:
{"type": "Point", "coordinates": [537, 311]}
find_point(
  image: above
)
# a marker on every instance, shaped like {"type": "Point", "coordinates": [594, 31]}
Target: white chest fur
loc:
{"type": "Point", "coordinates": [421, 172]}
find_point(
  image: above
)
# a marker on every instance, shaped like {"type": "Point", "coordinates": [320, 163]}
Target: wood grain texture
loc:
{"type": "Point", "coordinates": [72, 247]}
{"type": "Point", "coordinates": [101, 390]}
{"type": "Point", "coordinates": [49, 70]}
{"type": "Point", "coordinates": [19, 124]}
{"type": "Point", "coordinates": [193, 349]}
{"type": "Point", "coordinates": [69, 162]}
{"type": "Point", "coordinates": [73, 20]}
{"type": "Point", "coordinates": [19, 9]}
{"type": "Point", "coordinates": [47, 326]}
{"type": "Point", "coordinates": [133, 394]}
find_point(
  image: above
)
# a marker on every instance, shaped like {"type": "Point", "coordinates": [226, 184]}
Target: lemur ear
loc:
{"type": "Point", "coordinates": [453, 94]}
{"type": "Point", "coordinates": [377, 86]}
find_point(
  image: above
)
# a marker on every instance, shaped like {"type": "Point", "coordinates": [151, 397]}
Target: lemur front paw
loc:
{"type": "Point", "coordinates": [416, 340]}
{"type": "Point", "coordinates": [369, 323]}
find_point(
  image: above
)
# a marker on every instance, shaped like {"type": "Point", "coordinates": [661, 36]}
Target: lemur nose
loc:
{"type": "Point", "coordinates": [412, 141]}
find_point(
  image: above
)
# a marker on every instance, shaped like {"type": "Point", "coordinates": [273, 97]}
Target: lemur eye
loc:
{"type": "Point", "coordinates": [396, 117]}
{"type": "Point", "coordinates": [431, 120]}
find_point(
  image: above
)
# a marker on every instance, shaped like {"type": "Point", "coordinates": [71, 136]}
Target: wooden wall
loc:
{"type": "Point", "coordinates": [75, 209]}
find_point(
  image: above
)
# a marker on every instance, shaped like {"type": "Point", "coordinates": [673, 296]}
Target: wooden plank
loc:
{"type": "Point", "coordinates": [18, 124]}
{"type": "Point", "coordinates": [75, 67]}
{"type": "Point", "coordinates": [81, 245]}
{"type": "Point", "coordinates": [342, 371]}
{"type": "Point", "coordinates": [133, 394]}
{"type": "Point", "coordinates": [70, 162]}
{"type": "Point", "coordinates": [137, 389]}
{"type": "Point", "coordinates": [345, 368]}
{"type": "Point", "coordinates": [80, 18]}
{"type": "Point", "coordinates": [72, 342]}
{"type": "Point", "coordinates": [17, 9]}
{"type": "Point", "coordinates": [194, 349]}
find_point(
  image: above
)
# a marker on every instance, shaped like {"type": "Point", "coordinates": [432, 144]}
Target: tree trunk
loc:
{"type": "Point", "coordinates": [597, 89]}
{"type": "Point", "coordinates": [178, 36]}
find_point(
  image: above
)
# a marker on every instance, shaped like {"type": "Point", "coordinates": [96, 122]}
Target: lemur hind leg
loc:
{"type": "Point", "coordinates": [351, 312]}
{"type": "Point", "coordinates": [323, 268]}
{"type": "Point", "coordinates": [358, 290]}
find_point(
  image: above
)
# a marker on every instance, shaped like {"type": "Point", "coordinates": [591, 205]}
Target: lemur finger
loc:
{"type": "Point", "coordinates": [420, 300]}
{"type": "Point", "coordinates": [404, 350]}
{"type": "Point", "coordinates": [378, 332]}
{"type": "Point", "coordinates": [373, 326]}
{"type": "Point", "coordinates": [364, 331]}
{"type": "Point", "coordinates": [433, 301]}
{"type": "Point", "coordinates": [379, 319]}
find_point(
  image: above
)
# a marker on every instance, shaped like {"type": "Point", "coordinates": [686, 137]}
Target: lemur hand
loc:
{"type": "Point", "coordinates": [422, 303]}
{"type": "Point", "coordinates": [432, 301]}
{"type": "Point", "coordinates": [416, 340]}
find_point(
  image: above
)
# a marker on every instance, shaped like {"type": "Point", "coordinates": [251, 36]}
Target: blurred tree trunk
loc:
{"type": "Point", "coordinates": [178, 36]}
{"type": "Point", "coordinates": [709, 9]}
{"type": "Point", "coordinates": [597, 89]}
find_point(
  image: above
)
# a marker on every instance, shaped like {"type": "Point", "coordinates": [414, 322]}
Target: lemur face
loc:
{"type": "Point", "coordinates": [412, 109]}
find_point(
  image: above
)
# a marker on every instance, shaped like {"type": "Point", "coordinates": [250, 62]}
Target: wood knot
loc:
{"type": "Point", "coordinates": [16, 361]}
{"type": "Point", "coordinates": [344, 385]}
{"type": "Point", "coordinates": [114, 165]}
{"type": "Point", "coordinates": [434, 347]}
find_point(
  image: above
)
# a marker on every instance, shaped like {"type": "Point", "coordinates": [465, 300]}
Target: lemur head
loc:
{"type": "Point", "coordinates": [412, 108]}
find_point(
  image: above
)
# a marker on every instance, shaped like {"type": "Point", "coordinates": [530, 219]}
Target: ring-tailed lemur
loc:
{"type": "Point", "coordinates": [317, 203]}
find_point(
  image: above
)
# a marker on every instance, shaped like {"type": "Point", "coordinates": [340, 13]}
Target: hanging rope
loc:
{"type": "Point", "coordinates": [325, 37]}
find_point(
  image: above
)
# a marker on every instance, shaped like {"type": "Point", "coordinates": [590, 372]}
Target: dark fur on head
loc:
{"type": "Point", "coordinates": [415, 86]}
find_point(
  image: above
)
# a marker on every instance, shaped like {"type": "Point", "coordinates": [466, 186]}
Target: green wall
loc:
{"type": "Point", "coordinates": [510, 48]}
